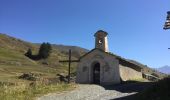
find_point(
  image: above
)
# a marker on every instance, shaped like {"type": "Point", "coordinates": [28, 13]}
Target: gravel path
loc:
{"type": "Point", "coordinates": [96, 92]}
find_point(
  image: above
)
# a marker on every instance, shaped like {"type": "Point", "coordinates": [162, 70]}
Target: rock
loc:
{"type": "Point", "coordinates": [30, 76]}
{"type": "Point", "coordinates": [62, 77]}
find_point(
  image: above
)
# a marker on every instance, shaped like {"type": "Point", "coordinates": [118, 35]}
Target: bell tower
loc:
{"type": "Point", "coordinates": [101, 41]}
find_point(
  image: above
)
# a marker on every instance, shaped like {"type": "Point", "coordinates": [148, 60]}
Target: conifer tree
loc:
{"type": "Point", "coordinates": [45, 50]}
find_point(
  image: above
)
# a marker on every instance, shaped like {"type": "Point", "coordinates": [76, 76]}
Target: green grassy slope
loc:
{"type": "Point", "coordinates": [13, 62]}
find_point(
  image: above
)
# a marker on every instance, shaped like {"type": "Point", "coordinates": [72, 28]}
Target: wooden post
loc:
{"type": "Point", "coordinates": [69, 61]}
{"type": "Point", "coordinates": [69, 64]}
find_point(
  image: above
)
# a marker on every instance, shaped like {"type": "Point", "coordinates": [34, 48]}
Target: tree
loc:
{"type": "Point", "coordinates": [45, 50]}
{"type": "Point", "coordinates": [29, 53]}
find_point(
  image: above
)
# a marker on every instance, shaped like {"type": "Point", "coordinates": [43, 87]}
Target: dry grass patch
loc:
{"type": "Point", "coordinates": [30, 92]}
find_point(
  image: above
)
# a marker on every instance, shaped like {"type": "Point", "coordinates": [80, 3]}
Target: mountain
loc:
{"type": "Point", "coordinates": [165, 69]}
{"type": "Point", "coordinates": [11, 48]}
{"type": "Point", "coordinates": [14, 63]}
{"type": "Point", "coordinates": [12, 56]}
{"type": "Point", "coordinates": [76, 51]}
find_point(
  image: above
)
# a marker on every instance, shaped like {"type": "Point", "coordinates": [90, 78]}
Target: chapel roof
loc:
{"type": "Point", "coordinates": [121, 59]}
{"type": "Point", "coordinates": [101, 31]}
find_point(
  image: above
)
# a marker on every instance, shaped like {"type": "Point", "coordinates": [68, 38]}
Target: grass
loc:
{"type": "Point", "coordinates": [13, 88]}
{"type": "Point", "coordinates": [27, 92]}
{"type": "Point", "coordinates": [10, 57]}
{"type": "Point", "coordinates": [13, 63]}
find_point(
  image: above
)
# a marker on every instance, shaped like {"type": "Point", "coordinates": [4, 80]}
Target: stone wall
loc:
{"type": "Point", "coordinates": [127, 73]}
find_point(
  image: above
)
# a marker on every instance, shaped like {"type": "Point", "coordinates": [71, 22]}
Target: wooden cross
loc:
{"type": "Point", "coordinates": [69, 64]}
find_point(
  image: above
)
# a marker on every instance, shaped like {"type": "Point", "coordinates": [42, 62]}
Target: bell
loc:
{"type": "Point", "coordinates": [167, 23]}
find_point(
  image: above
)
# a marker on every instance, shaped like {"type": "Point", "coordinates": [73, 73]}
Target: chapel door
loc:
{"type": "Point", "coordinates": [96, 74]}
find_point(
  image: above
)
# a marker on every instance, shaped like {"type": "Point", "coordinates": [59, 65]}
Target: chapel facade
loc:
{"type": "Point", "coordinates": [98, 66]}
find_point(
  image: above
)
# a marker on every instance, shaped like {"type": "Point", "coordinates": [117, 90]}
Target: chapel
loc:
{"type": "Point", "coordinates": [99, 66]}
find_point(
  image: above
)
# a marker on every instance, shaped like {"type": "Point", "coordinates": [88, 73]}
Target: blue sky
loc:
{"type": "Point", "coordinates": [135, 27]}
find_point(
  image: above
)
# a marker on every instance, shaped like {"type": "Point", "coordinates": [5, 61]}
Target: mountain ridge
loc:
{"type": "Point", "coordinates": [164, 69]}
{"type": "Point", "coordinates": [12, 52]}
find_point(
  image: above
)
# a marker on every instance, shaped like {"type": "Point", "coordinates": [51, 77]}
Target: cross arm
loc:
{"type": "Point", "coordinates": [69, 61]}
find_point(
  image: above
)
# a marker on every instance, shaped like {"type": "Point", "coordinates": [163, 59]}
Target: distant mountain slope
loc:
{"type": "Point", "coordinates": [11, 43]}
{"type": "Point", "coordinates": [12, 52]}
{"type": "Point", "coordinates": [164, 69]}
{"type": "Point", "coordinates": [13, 62]}
{"type": "Point", "coordinates": [76, 51]}
{"type": "Point", "coordinates": [15, 44]}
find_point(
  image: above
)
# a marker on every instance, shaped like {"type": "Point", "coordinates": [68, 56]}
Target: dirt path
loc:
{"type": "Point", "coordinates": [96, 92]}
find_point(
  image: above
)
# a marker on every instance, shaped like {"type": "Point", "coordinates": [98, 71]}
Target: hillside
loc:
{"type": "Point", "coordinates": [12, 54]}
{"type": "Point", "coordinates": [18, 73]}
{"type": "Point", "coordinates": [13, 62]}
{"type": "Point", "coordinates": [76, 51]}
